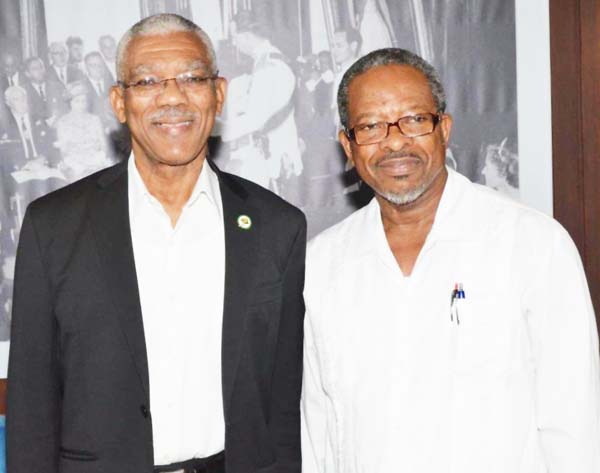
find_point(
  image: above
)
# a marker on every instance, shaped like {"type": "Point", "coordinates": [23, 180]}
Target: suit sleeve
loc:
{"type": "Point", "coordinates": [287, 380]}
{"type": "Point", "coordinates": [33, 416]}
{"type": "Point", "coordinates": [564, 338]}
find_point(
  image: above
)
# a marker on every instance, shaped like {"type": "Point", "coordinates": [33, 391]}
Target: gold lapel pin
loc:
{"type": "Point", "coordinates": [244, 222]}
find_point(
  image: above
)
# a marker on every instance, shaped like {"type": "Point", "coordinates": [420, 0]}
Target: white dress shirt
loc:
{"type": "Point", "coordinates": [395, 383]}
{"type": "Point", "coordinates": [181, 274]}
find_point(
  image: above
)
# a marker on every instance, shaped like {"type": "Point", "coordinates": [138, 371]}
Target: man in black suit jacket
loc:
{"type": "Point", "coordinates": [46, 97]}
{"type": "Point", "coordinates": [98, 84]}
{"type": "Point", "coordinates": [60, 69]}
{"type": "Point", "coordinates": [80, 369]}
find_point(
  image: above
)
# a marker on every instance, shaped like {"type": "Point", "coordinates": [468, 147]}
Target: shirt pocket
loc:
{"type": "Point", "coordinates": [483, 342]}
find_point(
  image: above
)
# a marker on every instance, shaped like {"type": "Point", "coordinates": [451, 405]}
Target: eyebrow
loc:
{"type": "Point", "coordinates": [377, 116]}
{"type": "Point", "coordinates": [188, 66]}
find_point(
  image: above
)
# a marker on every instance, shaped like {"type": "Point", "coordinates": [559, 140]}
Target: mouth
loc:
{"type": "Point", "coordinates": [400, 167]}
{"type": "Point", "coordinates": [180, 123]}
{"type": "Point", "coordinates": [173, 127]}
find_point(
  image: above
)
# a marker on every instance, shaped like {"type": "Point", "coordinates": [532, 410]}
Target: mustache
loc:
{"type": "Point", "coordinates": [398, 155]}
{"type": "Point", "coordinates": [172, 113]}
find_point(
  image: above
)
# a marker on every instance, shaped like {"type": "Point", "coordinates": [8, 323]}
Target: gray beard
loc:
{"type": "Point", "coordinates": [410, 196]}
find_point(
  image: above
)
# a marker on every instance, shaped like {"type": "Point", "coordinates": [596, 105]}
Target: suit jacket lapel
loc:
{"type": "Point", "coordinates": [241, 246]}
{"type": "Point", "coordinates": [110, 222]}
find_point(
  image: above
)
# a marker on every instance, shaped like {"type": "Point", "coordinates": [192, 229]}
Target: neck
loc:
{"type": "Point", "coordinates": [407, 226]}
{"type": "Point", "coordinates": [171, 185]}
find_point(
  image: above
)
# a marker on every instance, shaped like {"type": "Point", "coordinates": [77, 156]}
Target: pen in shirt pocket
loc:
{"type": "Point", "coordinates": [457, 294]}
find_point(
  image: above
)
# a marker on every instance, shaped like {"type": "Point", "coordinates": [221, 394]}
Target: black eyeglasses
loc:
{"type": "Point", "coordinates": [187, 82]}
{"type": "Point", "coordinates": [411, 126]}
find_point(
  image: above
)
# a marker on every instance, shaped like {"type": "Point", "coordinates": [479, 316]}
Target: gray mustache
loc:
{"type": "Point", "coordinates": [172, 113]}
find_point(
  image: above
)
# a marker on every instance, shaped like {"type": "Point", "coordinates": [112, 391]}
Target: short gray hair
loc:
{"type": "Point", "coordinates": [384, 57]}
{"type": "Point", "coordinates": [162, 24]}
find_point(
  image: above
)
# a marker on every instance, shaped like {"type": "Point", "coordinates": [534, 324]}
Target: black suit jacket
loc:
{"type": "Point", "coordinates": [99, 104]}
{"type": "Point", "coordinates": [73, 74]}
{"type": "Point", "coordinates": [78, 377]}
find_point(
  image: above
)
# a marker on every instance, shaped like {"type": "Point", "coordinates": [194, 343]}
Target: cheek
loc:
{"type": "Point", "coordinates": [135, 112]}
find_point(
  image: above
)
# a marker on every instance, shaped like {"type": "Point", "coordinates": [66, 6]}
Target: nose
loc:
{"type": "Point", "coordinates": [171, 93]}
{"type": "Point", "coordinates": [395, 140]}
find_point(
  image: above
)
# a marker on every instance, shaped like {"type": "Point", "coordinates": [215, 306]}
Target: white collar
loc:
{"type": "Point", "coordinates": [452, 220]}
{"type": "Point", "coordinates": [207, 184]}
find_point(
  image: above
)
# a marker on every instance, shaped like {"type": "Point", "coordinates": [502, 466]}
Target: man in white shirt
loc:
{"type": "Point", "coordinates": [157, 310]}
{"type": "Point", "coordinates": [260, 126]}
{"type": "Point", "coordinates": [448, 329]}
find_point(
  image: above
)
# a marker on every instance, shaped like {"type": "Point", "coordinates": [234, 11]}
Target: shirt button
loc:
{"type": "Point", "coordinates": [145, 411]}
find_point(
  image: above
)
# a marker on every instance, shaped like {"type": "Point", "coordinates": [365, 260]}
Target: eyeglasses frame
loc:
{"type": "Point", "coordinates": [163, 82]}
{"type": "Point", "coordinates": [437, 118]}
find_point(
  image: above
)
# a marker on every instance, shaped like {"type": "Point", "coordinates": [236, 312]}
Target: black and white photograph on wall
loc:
{"type": "Point", "coordinates": [283, 62]}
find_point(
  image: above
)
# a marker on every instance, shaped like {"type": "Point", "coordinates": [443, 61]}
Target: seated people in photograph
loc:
{"type": "Point", "coordinates": [80, 137]}
{"type": "Point", "coordinates": [157, 310]}
{"type": "Point", "coordinates": [447, 328]}
{"type": "Point", "coordinates": [501, 170]}
{"type": "Point", "coordinates": [29, 158]}
{"type": "Point", "coordinates": [25, 135]}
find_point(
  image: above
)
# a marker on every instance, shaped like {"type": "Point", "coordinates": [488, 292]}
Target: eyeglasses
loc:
{"type": "Point", "coordinates": [411, 126]}
{"type": "Point", "coordinates": [187, 82]}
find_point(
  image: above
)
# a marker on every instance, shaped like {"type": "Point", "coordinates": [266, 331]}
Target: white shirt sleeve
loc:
{"type": "Point", "coordinates": [314, 406]}
{"type": "Point", "coordinates": [271, 89]}
{"type": "Point", "coordinates": [564, 340]}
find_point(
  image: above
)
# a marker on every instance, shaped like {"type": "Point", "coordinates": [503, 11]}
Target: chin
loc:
{"type": "Point", "coordinates": [178, 157]}
{"type": "Point", "coordinates": [179, 160]}
{"type": "Point", "coordinates": [402, 198]}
